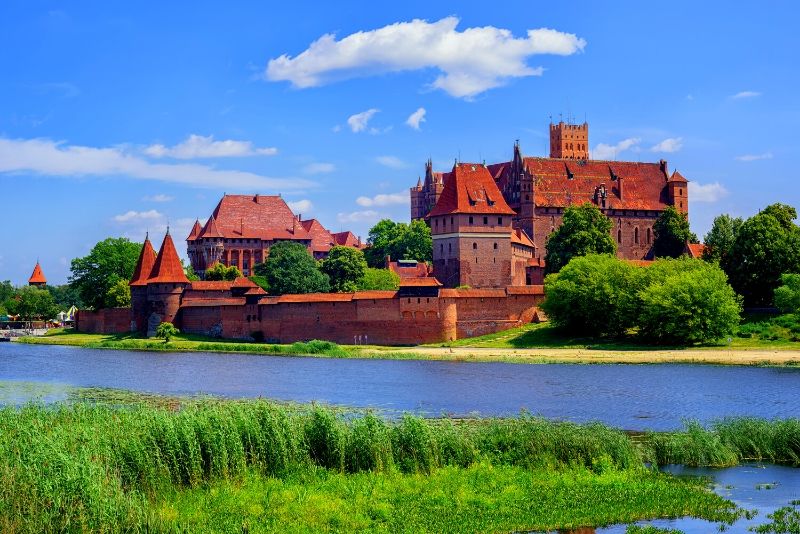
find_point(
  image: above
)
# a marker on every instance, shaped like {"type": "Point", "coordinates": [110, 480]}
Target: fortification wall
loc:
{"type": "Point", "coordinates": [106, 321]}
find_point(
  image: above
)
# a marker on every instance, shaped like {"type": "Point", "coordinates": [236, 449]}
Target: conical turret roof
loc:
{"type": "Point", "coordinates": [145, 264]}
{"type": "Point", "coordinates": [195, 233]}
{"type": "Point", "coordinates": [167, 267]}
{"type": "Point", "coordinates": [37, 277]}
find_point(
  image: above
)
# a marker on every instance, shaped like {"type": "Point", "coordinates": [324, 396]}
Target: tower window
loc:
{"type": "Point", "coordinates": [648, 236]}
{"type": "Point", "coordinates": [636, 235]}
{"type": "Point", "coordinates": [470, 219]}
{"type": "Point", "coordinates": [499, 220]}
{"type": "Point", "coordinates": [619, 236]}
{"type": "Point", "coordinates": [486, 220]}
{"type": "Point", "coordinates": [474, 246]}
{"type": "Point", "coordinates": [495, 246]}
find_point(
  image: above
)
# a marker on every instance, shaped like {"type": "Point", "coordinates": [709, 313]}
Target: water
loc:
{"type": "Point", "coordinates": [635, 397]}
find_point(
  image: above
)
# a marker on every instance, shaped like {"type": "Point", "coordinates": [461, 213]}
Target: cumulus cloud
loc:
{"type": "Point", "coordinates": [672, 144]}
{"type": "Point", "coordinates": [359, 216]}
{"type": "Point", "coordinates": [301, 206]}
{"type": "Point", "coordinates": [199, 146]}
{"type": "Point", "coordinates": [384, 199]}
{"type": "Point", "coordinates": [745, 94]}
{"type": "Point", "coordinates": [132, 215]}
{"type": "Point", "coordinates": [610, 152]}
{"type": "Point", "coordinates": [706, 192]}
{"type": "Point", "coordinates": [392, 162]}
{"type": "Point", "coordinates": [51, 158]}
{"type": "Point", "coordinates": [469, 61]}
{"type": "Point", "coordinates": [360, 121]}
{"type": "Point", "coordinates": [754, 157]}
{"type": "Point", "coordinates": [158, 198]}
{"type": "Point", "coordinates": [319, 168]}
{"type": "Point", "coordinates": [416, 118]}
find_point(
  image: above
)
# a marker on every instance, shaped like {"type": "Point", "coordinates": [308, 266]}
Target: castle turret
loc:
{"type": "Point", "coordinates": [678, 191]}
{"type": "Point", "coordinates": [37, 278]}
{"type": "Point", "coordinates": [165, 286]}
{"type": "Point", "coordinates": [138, 285]}
{"type": "Point", "coordinates": [569, 141]}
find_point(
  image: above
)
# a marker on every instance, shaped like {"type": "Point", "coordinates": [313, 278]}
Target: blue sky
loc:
{"type": "Point", "coordinates": [117, 117]}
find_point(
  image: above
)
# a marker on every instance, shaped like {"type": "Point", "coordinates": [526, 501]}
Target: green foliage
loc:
{"type": "Point", "coordinates": [119, 295]}
{"type": "Point", "coordinates": [584, 230]}
{"type": "Point", "coordinates": [65, 296]}
{"type": "Point", "coordinates": [719, 240]}
{"type": "Point", "coordinates": [109, 260]}
{"type": "Point", "coordinates": [6, 290]}
{"type": "Point", "coordinates": [166, 331]}
{"type": "Point", "coordinates": [290, 269]}
{"type": "Point", "coordinates": [672, 301]}
{"type": "Point", "coordinates": [401, 241]}
{"type": "Point", "coordinates": [379, 279]}
{"type": "Point", "coordinates": [784, 520]}
{"type": "Point", "coordinates": [189, 271]}
{"type": "Point", "coordinates": [219, 271]}
{"type": "Point", "coordinates": [787, 296]}
{"type": "Point", "coordinates": [671, 233]}
{"type": "Point", "coordinates": [766, 247]}
{"type": "Point", "coordinates": [345, 267]}
{"type": "Point", "coordinates": [260, 281]}
{"type": "Point", "coordinates": [32, 303]}
{"type": "Point", "coordinates": [771, 328]}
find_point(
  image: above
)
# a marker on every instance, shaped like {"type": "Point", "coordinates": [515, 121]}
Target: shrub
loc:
{"type": "Point", "coordinates": [166, 331]}
{"type": "Point", "coordinates": [787, 296]}
{"type": "Point", "coordinates": [379, 279]}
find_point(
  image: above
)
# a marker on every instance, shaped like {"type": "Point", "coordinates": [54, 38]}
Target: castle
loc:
{"type": "Point", "coordinates": [536, 191]}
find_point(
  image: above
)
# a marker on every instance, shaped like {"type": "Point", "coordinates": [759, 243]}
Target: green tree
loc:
{"type": "Point", "coordinates": [110, 260]}
{"type": "Point", "coordinates": [719, 240]}
{"type": "Point", "coordinates": [787, 296]}
{"type": "Point", "coordinates": [400, 241]}
{"type": "Point", "coordinates": [65, 296]}
{"type": "Point", "coordinates": [166, 331]}
{"type": "Point", "coordinates": [671, 233]}
{"type": "Point", "coordinates": [220, 272]}
{"type": "Point", "coordinates": [767, 245]}
{"type": "Point", "coordinates": [189, 271]}
{"type": "Point", "coordinates": [32, 303]}
{"type": "Point", "coordinates": [593, 295]}
{"type": "Point", "coordinates": [260, 281]}
{"type": "Point", "coordinates": [584, 230]}
{"type": "Point", "coordinates": [379, 279]}
{"type": "Point", "coordinates": [6, 292]}
{"type": "Point", "coordinates": [291, 269]}
{"type": "Point", "coordinates": [119, 295]}
{"type": "Point", "coordinates": [345, 267]}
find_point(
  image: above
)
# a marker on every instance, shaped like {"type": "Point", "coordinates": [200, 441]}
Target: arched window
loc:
{"type": "Point", "coordinates": [636, 235]}
{"type": "Point", "coordinates": [474, 246]}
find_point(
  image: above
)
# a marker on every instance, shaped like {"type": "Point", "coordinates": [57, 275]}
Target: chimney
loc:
{"type": "Point", "coordinates": [663, 165]}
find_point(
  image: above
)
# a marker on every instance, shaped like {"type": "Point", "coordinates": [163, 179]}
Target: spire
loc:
{"type": "Point", "coordinates": [145, 263]}
{"type": "Point", "coordinates": [167, 267]}
{"type": "Point", "coordinates": [196, 229]}
{"type": "Point", "coordinates": [37, 277]}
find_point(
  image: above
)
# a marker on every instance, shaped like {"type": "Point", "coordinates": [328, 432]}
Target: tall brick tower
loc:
{"type": "Point", "coordinates": [165, 286]}
{"type": "Point", "coordinates": [569, 141]}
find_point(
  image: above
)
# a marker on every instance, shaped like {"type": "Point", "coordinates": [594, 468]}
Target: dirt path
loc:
{"type": "Point", "coordinates": [710, 356]}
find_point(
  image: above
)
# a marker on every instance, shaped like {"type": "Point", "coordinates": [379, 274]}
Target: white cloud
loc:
{"type": "Point", "coordinates": [46, 157]}
{"type": "Point", "coordinates": [754, 157]}
{"type": "Point", "coordinates": [391, 162]}
{"type": "Point", "coordinates": [416, 118]}
{"type": "Point", "coordinates": [301, 206]}
{"type": "Point", "coordinates": [159, 198]}
{"type": "Point", "coordinates": [470, 61]}
{"type": "Point", "coordinates": [672, 144]}
{"type": "Point", "coordinates": [384, 199]}
{"type": "Point", "coordinates": [610, 152]}
{"type": "Point", "coordinates": [745, 94]}
{"type": "Point", "coordinates": [199, 146]}
{"type": "Point", "coordinates": [360, 121]}
{"type": "Point", "coordinates": [359, 216]}
{"type": "Point", "coordinates": [706, 193]}
{"type": "Point", "coordinates": [135, 216]}
{"type": "Point", "coordinates": [319, 168]}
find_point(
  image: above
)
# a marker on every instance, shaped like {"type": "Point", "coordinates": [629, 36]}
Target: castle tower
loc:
{"type": "Point", "coordinates": [37, 278]}
{"type": "Point", "coordinates": [471, 230]}
{"type": "Point", "coordinates": [569, 141]}
{"type": "Point", "coordinates": [678, 190]}
{"type": "Point", "coordinates": [165, 286]}
{"type": "Point", "coordinates": [138, 285]}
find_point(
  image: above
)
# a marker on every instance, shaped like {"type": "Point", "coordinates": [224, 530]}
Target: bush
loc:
{"type": "Point", "coordinates": [166, 331]}
{"type": "Point", "coordinates": [379, 279]}
{"type": "Point", "coordinates": [787, 296]}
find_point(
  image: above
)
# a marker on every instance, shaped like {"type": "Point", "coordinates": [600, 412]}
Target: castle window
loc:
{"type": "Point", "coordinates": [619, 236]}
{"type": "Point", "coordinates": [449, 247]}
{"type": "Point", "coordinates": [474, 246]}
{"type": "Point", "coordinates": [470, 219]}
{"type": "Point", "coordinates": [680, 192]}
{"type": "Point", "coordinates": [499, 220]}
{"type": "Point", "coordinates": [436, 223]}
{"type": "Point", "coordinates": [636, 235]}
{"type": "Point", "coordinates": [486, 220]}
{"type": "Point", "coordinates": [441, 248]}
{"type": "Point", "coordinates": [495, 246]}
{"type": "Point", "coordinates": [648, 236]}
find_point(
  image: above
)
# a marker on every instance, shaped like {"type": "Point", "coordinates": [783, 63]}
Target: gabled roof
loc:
{"type": "Point", "coordinates": [347, 239]}
{"type": "Point", "coordinates": [471, 189]}
{"type": "Point", "coordinates": [256, 217]}
{"type": "Point", "coordinates": [210, 229]}
{"type": "Point", "coordinates": [677, 177]}
{"type": "Point", "coordinates": [520, 237]}
{"type": "Point", "coordinates": [321, 239]}
{"type": "Point", "coordinates": [167, 267]}
{"type": "Point", "coordinates": [37, 277]}
{"type": "Point", "coordinates": [695, 250]}
{"type": "Point", "coordinates": [196, 230]}
{"type": "Point", "coordinates": [147, 257]}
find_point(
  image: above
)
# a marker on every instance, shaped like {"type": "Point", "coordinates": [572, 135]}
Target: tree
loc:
{"type": "Point", "coordinates": [110, 260]}
{"type": "Point", "coordinates": [584, 230]}
{"type": "Point", "coordinates": [379, 279]}
{"type": "Point", "coordinates": [787, 296]}
{"type": "Point", "coordinates": [220, 272]}
{"type": "Point", "coordinates": [189, 271]}
{"type": "Point", "coordinates": [119, 295]}
{"type": "Point", "coordinates": [65, 296]}
{"type": "Point", "coordinates": [671, 233]}
{"type": "Point", "coordinates": [345, 267]}
{"type": "Point", "coordinates": [6, 292]}
{"type": "Point", "coordinates": [32, 303]}
{"type": "Point", "coordinates": [719, 240]}
{"type": "Point", "coordinates": [400, 241]}
{"type": "Point", "coordinates": [166, 331]}
{"type": "Point", "coordinates": [767, 245]}
{"type": "Point", "coordinates": [291, 269]}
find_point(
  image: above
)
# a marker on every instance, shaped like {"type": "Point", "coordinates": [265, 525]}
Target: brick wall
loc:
{"type": "Point", "coordinates": [106, 321]}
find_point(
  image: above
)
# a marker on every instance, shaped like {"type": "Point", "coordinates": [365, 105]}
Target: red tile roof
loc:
{"type": "Point", "coordinates": [374, 294]}
{"type": "Point", "coordinates": [347, 239]}
{"type": "Point", "coordinates": [420, 282]}
{"type": "Point", "coordinates": [471, 189]}
{"type": "Point", "coordinates": [258, 290]}
{"type": "Point", "coordinates": [196, 230]}
{"type": "Point", "coordinates": [321, 239]}
{"type": "Point", "coordinates": [562, 183]}
{"type": "Point", "coordinates": [167, 267]}
{"type": "Point", "coordinates": [37, 277]}
{"type": "Point", "coordinates": [210, 229]}
{"type": "Point", "coordinates": [525, 290]}
{"type": "Point", "coordinates": [419, 269]}
{"type": "Point", "coordinates": [256, 217]}
{"type": "Point", "coordinates": [210, 285]}
{"type": "Point", "coordinates": [695, 250]}
{"type": "Point", "coordinates": [243, 281]}
{"type": "Point", "coordinates": [144, 264]}
{"type": "Point", "coordinates": [677, 177]}
{"type": "Point", "coordinates": [519, 237]}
